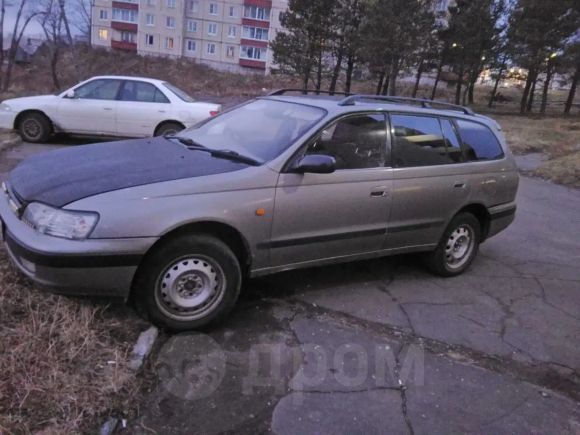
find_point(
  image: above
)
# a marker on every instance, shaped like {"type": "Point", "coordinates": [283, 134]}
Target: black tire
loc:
{"type": "Point", "coordinates": [154, 278]}
{"type": "Point", "coordinates": [443, 260]}
{"type": "Point", "coordinates": [34, 127]}
{"type": "Point", "coordinates": [169, 128]}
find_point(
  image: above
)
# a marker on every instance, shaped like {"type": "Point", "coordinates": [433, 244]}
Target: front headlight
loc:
{"type": "Point", "coordinates": [5, 108]}
{"type": "Point", "coordinates": [74, 225]}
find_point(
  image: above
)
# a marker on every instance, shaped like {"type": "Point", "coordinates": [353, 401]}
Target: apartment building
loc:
{"type": "Point", "coordinates": [231, 35]}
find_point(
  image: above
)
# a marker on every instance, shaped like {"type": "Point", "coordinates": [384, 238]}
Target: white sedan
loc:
{"type": "Point", "coordinates": [106, 106]}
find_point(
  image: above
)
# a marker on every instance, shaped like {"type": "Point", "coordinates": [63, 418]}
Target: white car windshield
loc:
{"type": "Point", "coordinates": [262, 129]}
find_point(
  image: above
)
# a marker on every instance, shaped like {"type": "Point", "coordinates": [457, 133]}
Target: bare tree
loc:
{"type": "Point", "coordinates": [81, 16]}
{"type": "Point", "coordinates": [24, 15]}
{"type": "Point", "coordinates": [51, 19]}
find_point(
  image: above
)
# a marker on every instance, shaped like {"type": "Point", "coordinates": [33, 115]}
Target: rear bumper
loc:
{"type": "Point", "coordinates": [501, 217]}
{"type": "Point", "coordinates": [99, 267]}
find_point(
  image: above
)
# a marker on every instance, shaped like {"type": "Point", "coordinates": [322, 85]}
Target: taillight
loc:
{"type": "Point", "coordinates": [214, 112]}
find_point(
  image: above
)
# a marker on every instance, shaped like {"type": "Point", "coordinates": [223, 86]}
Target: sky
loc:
{"type": "Point", "coordinates": [33, 28]}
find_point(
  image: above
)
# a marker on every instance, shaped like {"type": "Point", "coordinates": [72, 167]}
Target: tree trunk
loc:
{"type": "Point", "coordinates": [319, 73]}
{"type": "Point", "coordinates": [497, 82]}
{"type": "Point", "coordinates": [2, 14]}
{"type": "Point", "coordinates": [459, 84]}
{"type": "Point", "coordinates": [385, 90]}
{"type": "Point", "coordinates": [53, 63]}
{"type": "Point", "coordinates": [437, 78]}
{"type": "Point", "coordinates": [336, 70]}
{"type": "Point", "coordinates": [65, 21]}
{"type": "Point", "coordinates": [393, 78]}
{"type": "Point", "coordinates": [549, 73]}
{"type": "Point", "coordinates": [381, 81]}
{"type": "Point", "coordinates": [572, 92]}
{"type": "Point", "coordinates": [532, 95]}
{"type": "Point", "coordinates": [526, 94]}
{"type": "Point", "coordinates": [15, 43]}
{"type": "Point", "coordinates": [349, 72]}
{"type": "Point", "coordinates": [418, 78]}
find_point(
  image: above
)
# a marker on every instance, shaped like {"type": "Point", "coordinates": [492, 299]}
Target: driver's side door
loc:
{"type": "Point", "coordinates": [93, 110]}
{"type": "Point", "coordinates": [320, 216]}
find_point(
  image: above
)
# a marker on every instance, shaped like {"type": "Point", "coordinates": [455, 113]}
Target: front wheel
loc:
{"type": "Point", "coordinates": [34, 127]}
{"type": "Point", "coordinates": [188, 283]}
{"type": "Point", "coordinates": [168, 129]}
{"type": "Point", "coordinates": [457, 248]}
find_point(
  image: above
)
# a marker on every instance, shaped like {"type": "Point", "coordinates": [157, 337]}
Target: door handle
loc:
{"type": "Point", "coordinates": [459, 185]}
{"type": "Point", "coordinates": [107, 108]}
{"type": "Point", "coordinates": [161, 111]}
{"type": "Point", "coordinates": [378, 193]}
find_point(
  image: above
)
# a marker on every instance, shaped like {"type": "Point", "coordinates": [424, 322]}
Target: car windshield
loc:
{"type": "Point", "coordinates": [181, 94]}
{"type": "Point", "coordinates": [262, 129]}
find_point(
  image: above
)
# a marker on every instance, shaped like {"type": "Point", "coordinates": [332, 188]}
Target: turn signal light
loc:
{"type": "Point", "coordinates": [213, 113]}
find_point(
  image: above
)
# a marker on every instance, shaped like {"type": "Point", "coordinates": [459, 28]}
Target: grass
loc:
{"type": "Point", "coordinates": [63, 361]}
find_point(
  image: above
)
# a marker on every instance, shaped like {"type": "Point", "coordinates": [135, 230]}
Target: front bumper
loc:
{"type": "Point", "coordinates": [7, 119]}
{"type": "Point", "coordinates": [100, 267]}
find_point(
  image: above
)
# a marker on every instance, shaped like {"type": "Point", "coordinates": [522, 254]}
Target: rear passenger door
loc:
{"type": "Point", "coordinates": [430, 179]}
{"type": "Point", "coordinates": [141, 107]}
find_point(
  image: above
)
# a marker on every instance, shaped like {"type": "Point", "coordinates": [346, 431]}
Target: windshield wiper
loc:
{"type": "Point", "coordinates": [224, 153]}
{"type": "Point", "coordinates": [185, 141]}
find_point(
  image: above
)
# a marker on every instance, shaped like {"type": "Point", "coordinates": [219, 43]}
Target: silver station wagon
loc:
{"type": "Point", "coordinates": [281, 182]}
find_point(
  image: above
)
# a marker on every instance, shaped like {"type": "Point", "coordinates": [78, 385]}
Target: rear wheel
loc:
{"type": "Point", "coordinates": [457, 248]}
{"type": "Point", "coordinates": [34, 127]}
{"type": "Point", "coordinates": [188, 283]}
{"type": "Point", "coordinates": [169, 128]}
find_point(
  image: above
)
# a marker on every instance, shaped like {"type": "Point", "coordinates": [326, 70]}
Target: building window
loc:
{"type": "Point", "coordinates": [253, 53]}
{"type": "Point", "coordinates": [169, 43]}
{"type": "Point", "coordinates": [171, 4]}
{"type": "Point", "coordinates": [103, 14]}
{"type": "Point", "coordinates": [257, 13]}
{"type": "Point", "coordinates": [103, 34]}
{"type": "Point", "coordinates": [191, 26]}
{"type": "Point", "coordinates": [191, 45]}
{"type": "Point", "coordinates": [212, 29]}
{"type": "Point", "coordinates": [231, 51]}
{"type": "Point", "coordinates": [170, 22]}
{"type": "Point", "coordinates": [210, 48]}
{"type": "Point", "coordinates": [149, 40]}
{"type": "Point", "coordinates": [232, 11]}
{"type": "Point", "coordinates": [194, 5]}
{"type": "Point", "coordinates": [232, 32]}
{"type": "Point", "coordinates": [213, 8]}
{"type": "Point", "coordinates": [150, 19]}
{"type": "Point", "coordinates": [255, 33]}
{"type": "Point", "coordinates": [128, 36]}
{"type": "Point", "coordinates": [127, 15]}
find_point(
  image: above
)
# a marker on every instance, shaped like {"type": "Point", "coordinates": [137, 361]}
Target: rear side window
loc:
{"type": "Point", "coordinates": [479, 142]}
{"type": "Point", "coordinates": [418, 141]}
{"type": "Point", "coordinates": [142, 92]}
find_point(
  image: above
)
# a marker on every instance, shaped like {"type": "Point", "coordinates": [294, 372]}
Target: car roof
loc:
{"type": "Point", "coordinates": [332, 104]}
{"type": "Point", "coordinates": [143, 79]}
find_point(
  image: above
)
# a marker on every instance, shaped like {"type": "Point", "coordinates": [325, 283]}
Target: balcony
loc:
{"type": "Point", "coordinates": [259, 3]}
{"type": "Point", "coordinates": [256, 64]}
{"type": "Point", "coordinates": [124, 45]}
{"type": "Point", "coordinates": [123, 26]}
{"type": "Point", "coordinates": [254, 43]}
{"type": "Point", "coordinates": [255, 23]}
{"type": "Point", "coordinates": [125, 5]}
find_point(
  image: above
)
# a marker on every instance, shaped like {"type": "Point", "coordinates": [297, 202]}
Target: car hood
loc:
{"type": "Point", "coordinates": [60, 177]}
{"type": "Point", "coordinates": [36, 100]}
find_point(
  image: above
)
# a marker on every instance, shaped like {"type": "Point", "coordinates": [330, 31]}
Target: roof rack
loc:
{"type": "Point", "coordinates": [308, 91]}
{"type": "Point", "coordinates": [351, 100]}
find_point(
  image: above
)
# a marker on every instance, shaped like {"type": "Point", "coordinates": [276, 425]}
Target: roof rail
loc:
{"type": "Point", "coordinates": [351, 100]}
{"type": "Point", "coordinates": [308, 91]}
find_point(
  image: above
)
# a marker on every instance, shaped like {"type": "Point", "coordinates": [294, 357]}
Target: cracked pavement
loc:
{"type": "Point", "coordinates": [381, 346]}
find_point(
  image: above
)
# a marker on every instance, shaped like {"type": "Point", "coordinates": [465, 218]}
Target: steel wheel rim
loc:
{"type": "Point", "coordinates": [190, 287]}
{"type": "Point", "coordinates": [32, 128]}
{"type": "Point", "coordinates": [459, 246]}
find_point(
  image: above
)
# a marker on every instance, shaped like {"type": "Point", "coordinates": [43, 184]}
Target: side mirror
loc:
{"type": "Point", "coordinates": [70, 94]}
{"type": "Point", "coordinates": [315, 164]}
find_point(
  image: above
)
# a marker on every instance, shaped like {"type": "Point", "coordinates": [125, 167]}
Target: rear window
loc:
{"type": "Point", "coordinates": [480, 143]}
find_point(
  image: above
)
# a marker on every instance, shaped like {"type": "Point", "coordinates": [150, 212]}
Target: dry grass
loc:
{"type": "Point", "coordinates": [63, 364]}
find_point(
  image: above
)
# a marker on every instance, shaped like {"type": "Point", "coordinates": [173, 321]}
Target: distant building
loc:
{"type": "Point", "coordinates": [26, 50]}
{"type": "Point", "coordinates": [231, 35]}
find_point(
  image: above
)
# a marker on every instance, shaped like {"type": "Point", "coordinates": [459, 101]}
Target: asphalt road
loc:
{"type": "Point", "coordinates": [381, 346]}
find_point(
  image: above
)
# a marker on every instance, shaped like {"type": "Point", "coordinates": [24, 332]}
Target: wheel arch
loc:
{"type": "Point", "coordinates": [167, 121]}
{"type": "Point", "coordinates": [22, 113]}
{"type": "Point", "coordinates": [482, 214]}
